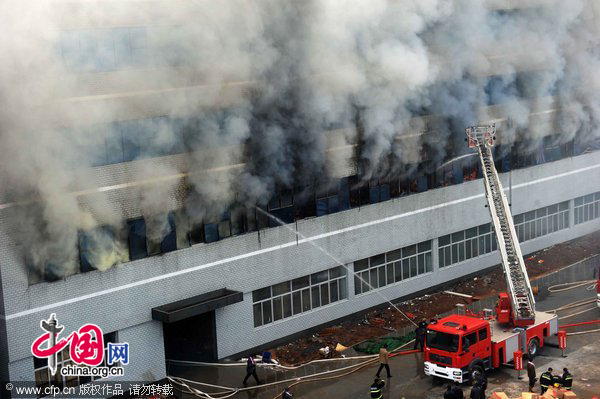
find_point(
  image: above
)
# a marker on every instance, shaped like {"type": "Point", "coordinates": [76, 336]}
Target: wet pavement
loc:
{"type": "Point", "coordinates": [408, 379]}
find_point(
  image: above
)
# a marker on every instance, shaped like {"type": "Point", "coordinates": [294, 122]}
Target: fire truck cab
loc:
{"type": "Point", "coordinates": [457, 346]}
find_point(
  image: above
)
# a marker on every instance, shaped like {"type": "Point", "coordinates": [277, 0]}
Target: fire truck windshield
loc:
{"type": "Point", "coordinates": [442, 341]}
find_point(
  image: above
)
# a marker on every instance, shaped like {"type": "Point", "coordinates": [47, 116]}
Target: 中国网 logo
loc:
{"type": "Point", "coordinates": [86, 350]}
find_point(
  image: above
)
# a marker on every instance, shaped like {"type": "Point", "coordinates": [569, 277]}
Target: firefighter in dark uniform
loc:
{"type": "Point", "coordinates": [377, 388]}
{"type": "Point", "coordinates": [483, 383]}
{"type": "Point", "coordinates": [567, 379]}
{"type": "Point", "coordinates": [546, 379]}
{"type": "Point", "coordinates": [531, 374]}
{"type": "Point", "coordinates": [449, 394]}
{"type": "Point", "coordinates": [420, 332]}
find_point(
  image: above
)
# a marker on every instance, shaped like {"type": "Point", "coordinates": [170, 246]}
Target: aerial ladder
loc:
{"type": "Point", "coordinates": [517, 306]}
{"type": "Point", "coordinates": [460, 347]}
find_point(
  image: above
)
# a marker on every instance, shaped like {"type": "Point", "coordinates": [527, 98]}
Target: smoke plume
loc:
{"type": "Point", "coordinates": [260, 85]}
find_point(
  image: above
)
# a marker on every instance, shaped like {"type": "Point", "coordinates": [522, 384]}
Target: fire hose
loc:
{"type": "Point", "coordinates": [583, 323]}
{"type": "Point", "coordinates": [572, 285]}
{"type": "Point", "coordinates": [227, 392]}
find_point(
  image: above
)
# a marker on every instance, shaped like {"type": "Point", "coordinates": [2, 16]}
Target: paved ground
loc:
{"type": "Point", "coordinates": [409, 381]}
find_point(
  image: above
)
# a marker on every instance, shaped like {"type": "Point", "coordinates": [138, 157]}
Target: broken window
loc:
{"type": "Point", "coordinates": [225, 226]}
{"type": "Point", "coordinates": [327, 199]}
{"type": "Point", "coordinates": [161, 233]}
{"type": "Point", "coordinates": [281, 207]}
{"type": "Point", "coordinates": [552, 148]}
{"type": "Point", "coordinates": [211, 232]}
{"type": "Point", "coordinates": [250, 219]}
{"type": "Point", "coordinates": [169, 235]}
{"type": "Point", "coordinates": [394, 187]}
{"type": "Point", "coordinates": [137, 239]}
{"type": "Point", "coordinates": [101, 248]}
{"type": "Point", "coordinates": [196, 233]}
{"type": "Point", "coordinates": [262, 218]}
{"type": "Point", "coordinates": [237, 216]}
{"type": "Point", "coordinates": [353, 184]}
{"type": "Point", "coordinates": [304, 202]}
{"type": "Point", "coordinates": [182, 229]}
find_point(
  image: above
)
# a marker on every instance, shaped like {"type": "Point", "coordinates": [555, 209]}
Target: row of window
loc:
{"type": "Point", "coordinates": [476, 241]}
{"type": "Point", "coordinates": [105, 246]}
{"type": "Point", "coordinates": [542, 221]}
{"type": "Point", "coordinates": [520, 85]}
{"type": "Point", "coordinates": [124, 141]}
{"type": "Point", "coordinates": [300, 295]}
{"type": "Point", "coordinates": [587, 208]}
{"type": "Point", "coordinates": [466, 244]}
{"type": "Point", "coordinates": [112, 49]}
{"type": "Point", "coordinates": [392, 267]}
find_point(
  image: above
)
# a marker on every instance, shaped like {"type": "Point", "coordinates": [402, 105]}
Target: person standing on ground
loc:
{"type": "Point", "coordinates": [384, 361]}
{"type": "Point", "coordinates": [546, 380]}
{"type": "Point", "coordinates": [567, 379]}
{"type": "Point", "coordinates": [531, 373]}
{"type": "Point", "coordinates": [476, 392]}
{"type": "Point", "coordinates": [286, 394]}
{"type": "Point", "coordinates": [377, 388]}
{"type": "Point", "coordinates": [482, 382]}
{"type": "Point", "coordinates": [449, 394]}
{"type": "Point", "coordinates": [458, 392]}
{"type": "Point", "coordinates": [251, 370]}
{"type": "Point", "coordinates": [420, 335]}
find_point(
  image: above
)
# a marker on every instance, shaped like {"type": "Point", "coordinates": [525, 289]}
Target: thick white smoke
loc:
{"type": "Point", "coordinates": [263, 82]}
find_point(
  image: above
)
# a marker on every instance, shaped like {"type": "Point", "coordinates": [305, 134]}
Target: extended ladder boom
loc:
{"type": "Point", "coordinates": [517, 281]}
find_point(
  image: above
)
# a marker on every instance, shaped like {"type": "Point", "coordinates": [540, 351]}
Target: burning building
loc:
{"type": "Point", "coordinates": [166, 166]}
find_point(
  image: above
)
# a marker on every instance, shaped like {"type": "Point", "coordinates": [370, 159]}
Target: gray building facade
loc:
{"type": "Point", "coordinates": [122, 299]}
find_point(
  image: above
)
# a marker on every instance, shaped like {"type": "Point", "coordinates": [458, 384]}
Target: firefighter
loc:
{"type": "Point", "coordinates": [458, 392]}
{"type": "Point", "coordinates": [449, 394]}
{"type": "Point", "coordinates": [546, 379]}
{"type": "Point", "coordinates": [377, 388]}
{"type": "Point", "coordinates": [567, 379]}
{"type": "Point", "coordinates": [476, 392]}
{"type": "Point", "coordinates": [420, 335]}
{"type": "Point", "coordinates": [530, 373]}
{"type": "Point", "coordinates": [384, 361]}
{"type": "Point", "coordinates": [482, 382]}
{"type": "Point", "coordinates": [251, 370]}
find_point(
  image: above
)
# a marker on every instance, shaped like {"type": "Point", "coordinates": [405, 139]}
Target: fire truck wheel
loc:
{"type": "Point", "coordinates": [533, 346]}
{"type": "Point", "coordinates": [475, 370]}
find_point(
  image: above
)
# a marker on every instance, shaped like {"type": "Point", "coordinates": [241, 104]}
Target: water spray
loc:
{"type": "Point", "coordinates": [337, 261]}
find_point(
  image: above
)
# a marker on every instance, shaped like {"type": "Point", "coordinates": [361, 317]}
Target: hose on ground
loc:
{"type": "Point", "coordinates": [577, 313]}
{"type": "Point", "coordinates": [584, 332]}
{"type": "Point", "coordinates": [575, 284]}
{"type": "Point", "coordinates": [227, 392]}
{"type": "Point", "coordinates": [572, 305]}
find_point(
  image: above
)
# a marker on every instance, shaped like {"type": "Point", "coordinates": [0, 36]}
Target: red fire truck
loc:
{"type": "Point", "coordinates": [461, 346]}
